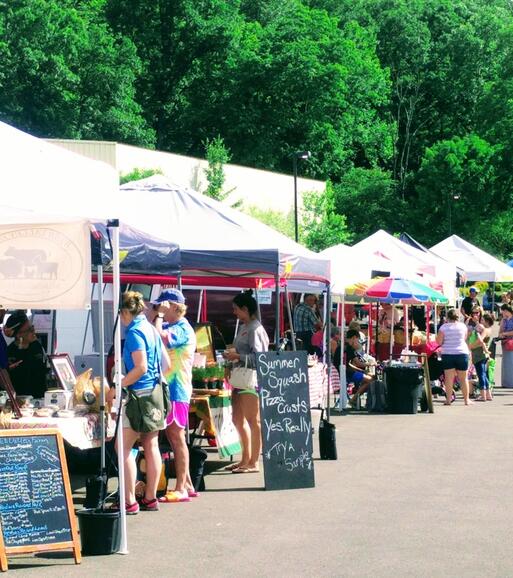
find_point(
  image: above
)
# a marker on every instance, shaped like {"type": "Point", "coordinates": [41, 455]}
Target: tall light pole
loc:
{"type": "Point", "coordinates": [451, 197]}
{"type": "Point", "coordinates": [303, 155]}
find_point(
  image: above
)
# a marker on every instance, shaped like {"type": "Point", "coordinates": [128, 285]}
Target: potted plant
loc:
{"type": "Point", "coordinates": [198, 375]}
{"type": "Point", "coordinates": [211, 376]}
{"type": "Point", "coordinates": [220, 377]}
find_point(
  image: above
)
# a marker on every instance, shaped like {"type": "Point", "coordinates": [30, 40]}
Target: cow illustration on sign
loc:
{"type": "Point", "coordinates": [27, 264]}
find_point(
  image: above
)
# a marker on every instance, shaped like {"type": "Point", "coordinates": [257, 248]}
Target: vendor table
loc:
{"type": "Point", "coordinates": [214, 410]}
{"type": "Point", "coordinates": [318, 380]}
{"type": "Point", "coordinates": [81, 432]}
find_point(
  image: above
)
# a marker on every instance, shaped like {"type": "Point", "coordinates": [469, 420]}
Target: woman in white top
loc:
{"type": "Point", "coordinates": [452, 336]}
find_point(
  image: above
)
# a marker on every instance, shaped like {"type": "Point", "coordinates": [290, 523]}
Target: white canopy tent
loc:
{"type": "Point", "coordinates": [38, 178]}
{"type": "Point", "coordinates": [350, 265]}
{"type": "Point", "coordinates": [431, 270]}
{"type": "Point", "coordinates": [475, 263]}
{"type": "Point", "coordinates": [381, 253]}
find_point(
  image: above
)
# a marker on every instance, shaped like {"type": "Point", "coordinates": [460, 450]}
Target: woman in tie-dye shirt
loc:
{"type": "Point", "coordinates": [180, 341]}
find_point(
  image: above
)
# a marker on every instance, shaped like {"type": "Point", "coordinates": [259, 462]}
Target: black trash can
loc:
{"type": "Point", "coordinates": [403, 387]}
{"type": "Point", "coordinates": [100, 531]}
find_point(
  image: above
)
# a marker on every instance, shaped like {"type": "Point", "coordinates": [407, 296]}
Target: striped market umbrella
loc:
{"type": "Point", "coordinates": [403, 291]}
{"type": "Point", "coordinates": [357, 291]}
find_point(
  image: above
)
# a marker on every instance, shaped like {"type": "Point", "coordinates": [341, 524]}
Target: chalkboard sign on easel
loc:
{"type": "Point", "coordinates": [286, 420]}
{"type": "Point", "coordinates": [36, 507]}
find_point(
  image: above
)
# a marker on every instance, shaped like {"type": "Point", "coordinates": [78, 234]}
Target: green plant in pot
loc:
{"type": "Point", "coordinates": [220, 377]}
{"type": "Point", "coordinates": [198, 375]}
{"type": "Point", "coordinates": [211, 375]}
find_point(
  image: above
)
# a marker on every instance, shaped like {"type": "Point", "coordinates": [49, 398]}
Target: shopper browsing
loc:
{"type": "Point", "coordinates": [307, 321]}
{"type": "Point", "coordinates": [452, 336]}
{"type": "Point", "coordinates": [143, 416]}
{"type": "Point", "coordinates": [251, 339]}
{"type": "Point", "coordinates": [180, 341]}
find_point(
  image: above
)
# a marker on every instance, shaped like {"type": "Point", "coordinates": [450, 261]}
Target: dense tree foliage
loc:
{"type": "Point", "coordinates": [63, 73]}
{"type": "Point", "coordinates": [404, 104]}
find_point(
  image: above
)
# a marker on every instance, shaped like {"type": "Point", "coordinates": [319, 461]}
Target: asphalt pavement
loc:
{"type": "Point", "coordinates": [423, 495]}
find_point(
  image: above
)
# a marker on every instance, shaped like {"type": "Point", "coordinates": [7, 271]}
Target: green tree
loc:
{"type": "Point", "coordinates": [270, 78]}
{"type": "Point", "coordinates": [368, 198]}
{"type": "Point", "coordinates": [281, 222]}
{"type": "Point", "coordinates": [456, 189]}
{"type": "Point", "coordinates": [496, 235]}
{"type": "Point", "coordinates": [496, 115]}
{"type": "Point", "coordinates": [184, 46]}
{"type": "Point", "coordinates": [63, 73]}
{"type": "Point", "coordinates": [217, 156]}
{"type": "Point", "coordinates": [321, 227]}
{"type": "Point", "coordinates": [441, 55]}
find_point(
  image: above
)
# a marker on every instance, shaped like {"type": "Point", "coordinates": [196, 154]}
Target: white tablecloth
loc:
{"type": "Point", "coordinates": [80, 432]}
{"type": "Point", "coordinates": [318, 380]}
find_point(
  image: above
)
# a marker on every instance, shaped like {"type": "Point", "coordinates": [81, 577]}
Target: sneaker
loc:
{"type": "Point", "coordinates": [148, 505]}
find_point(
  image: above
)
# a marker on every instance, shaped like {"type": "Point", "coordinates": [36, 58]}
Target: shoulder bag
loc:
{"type": "Point", "coordinates": [243, 377]}
{"type": "Point", "coordinates": [147, 413]}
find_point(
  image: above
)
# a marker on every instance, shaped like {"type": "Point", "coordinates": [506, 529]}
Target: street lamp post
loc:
{"type": "Point", "coordinates": [450, 199]}
{"type": "Point", "coordinates": [303, 155]}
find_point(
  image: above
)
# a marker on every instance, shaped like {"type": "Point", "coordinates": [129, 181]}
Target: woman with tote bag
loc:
{"type": "Point", "coordinates": [251, 339]}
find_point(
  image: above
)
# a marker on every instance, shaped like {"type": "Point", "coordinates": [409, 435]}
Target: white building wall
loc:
{"type": "Point", "coordinates": [254, 187]}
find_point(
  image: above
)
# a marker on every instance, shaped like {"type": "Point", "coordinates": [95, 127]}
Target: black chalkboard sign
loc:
{"type": "Point", "coordinates": [286, 420]}
{"type": "Point", "coordinates": [36, 509]}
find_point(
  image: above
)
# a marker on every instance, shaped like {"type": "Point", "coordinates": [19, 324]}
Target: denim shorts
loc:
{"type": "Point", "coordinates": [458, 361]}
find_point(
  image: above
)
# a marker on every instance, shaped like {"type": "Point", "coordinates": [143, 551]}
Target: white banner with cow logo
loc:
{"type": "Point", "coordinates": [45, 266]}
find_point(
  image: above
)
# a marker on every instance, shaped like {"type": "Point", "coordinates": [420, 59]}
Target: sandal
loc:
{"type": "Point", "coordinates": [175, 497]}
{"type": "Point", "coordinates": [245, 470]}
{"type": "Point", "coordinates": [130, 509]}
{"type": "Point", "coordinates": [193, 494]}
{"type": "Point", "coordinates": [231, 467]}
{"type": "Point", "coordinates": [148, 505]}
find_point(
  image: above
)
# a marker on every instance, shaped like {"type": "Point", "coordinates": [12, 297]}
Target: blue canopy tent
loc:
{"type": "Point", "coordinates": [217, 241]}
{"type": "Point", "coordinates": [141, 254]}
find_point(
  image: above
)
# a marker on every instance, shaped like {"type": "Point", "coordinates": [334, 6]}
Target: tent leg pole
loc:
{"type": "Point", "coordinates": [289, 315]}
{"type": "Point", "coordinates": [258, 305]}
{"type": "Point", "coordinates": [392, 332]}
{"type": "Point", "coordinates": [88, 319]}
{"type": "Point", "coordinates": [342, 398]}
{"type": "Point", "coordinates": [200, 305]}
{"type": "Point", "coordinates": [116, 287]}
{"type": "Point", "coordinates": [406, 327]}
{"type": "Point", "coordinates": [376, 332]}
{"type": "Point", "coordinates": [327, 351]}
{"type": "Point", "coordinates": [101, 337]}
{"type": "Point", "coordinates": [179, 281]}
{"type": "Point", "coordinates": [52, 336]}
{"type": "Point", "coordinates": [277, 312]}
